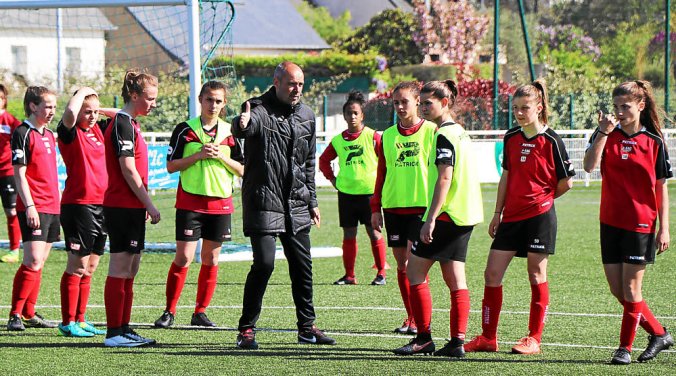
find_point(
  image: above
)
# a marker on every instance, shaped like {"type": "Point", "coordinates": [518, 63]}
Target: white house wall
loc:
{"type": "Point", "coordinates": [41, 51]}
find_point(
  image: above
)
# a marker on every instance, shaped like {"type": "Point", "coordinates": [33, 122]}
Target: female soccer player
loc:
{"type": "Point", "coordinates": [357, 159]}
{"type": "Point", "coordinates": [83, 153]}
{"type": "Point", "coordinates": [635, 168]}
{"type": "Point", "coordinates": [455, 208]}
{"type": "Point", "coordinates": [208, 157]}
{"type": "Point", "coordinates": [7, 185]}
{"type": "Point", "coordinates": [126, 204]}
{"type": "Point", "coordinates": [402, 182]}
{"type": "Point", "coordinates": [34, 161]}
{"type": "Point", "coordinates": [536, 170]}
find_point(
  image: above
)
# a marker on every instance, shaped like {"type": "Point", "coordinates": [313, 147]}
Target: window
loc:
{"type": "Point", "coordinates": [19, 60]}
{"type": "Point", "coordinates": [73, 61]}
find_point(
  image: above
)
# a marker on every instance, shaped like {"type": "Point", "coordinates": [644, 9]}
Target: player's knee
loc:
{"type": "Point", "coordinates": [182, 261]}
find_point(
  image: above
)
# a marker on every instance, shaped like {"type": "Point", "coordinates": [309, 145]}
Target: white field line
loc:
{"type": "Point", "coordinates": [573, 314]}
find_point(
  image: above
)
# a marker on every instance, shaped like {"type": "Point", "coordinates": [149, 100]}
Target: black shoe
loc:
{"type": "Point", "coordinates": [38, 321]}
{"type": "Point", "coordinates": [378, 281]}
{"type": "Point", "coordinates": [345, 280]}
{"type": "Point", "coordinates": [201, 319]}
{"type": "Point", "coordinates": [165, 321]}
{"type": "Point", "coordinates": [621, 356]}
{"type": "Point", "coordinates": [314, 336]}
{"type": "Point", "coordinates": [418, 345]}
{"type": "Point", "coordinates": [655, 345]}
{"type": "Point", "coordinates": [246, 339]}
{"type": "Point", "coordinates": [15, 324]}
{"type": "Point", "coordinates": [453, 348]}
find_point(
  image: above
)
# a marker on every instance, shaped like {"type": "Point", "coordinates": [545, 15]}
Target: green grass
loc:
{"type": "Point", "coordinates": [360, 317]}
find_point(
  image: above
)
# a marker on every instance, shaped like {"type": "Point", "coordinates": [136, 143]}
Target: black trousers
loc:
{"type": "Point", "coordinates": [297, 252]}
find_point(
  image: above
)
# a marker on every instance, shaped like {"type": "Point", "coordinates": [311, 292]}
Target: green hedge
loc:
{"type": "Point", "coordinates": [325, 64]}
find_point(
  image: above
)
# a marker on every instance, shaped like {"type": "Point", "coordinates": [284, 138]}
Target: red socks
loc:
{"type": "Point", "coordinates": [539, 303]}
{"type": "Point", "coordinates": [14, 232]}
{"type": "Point", "coordinates": [24, 280]}
{"type": "Point", "coordinates": [70, 292]}
{"type": "Point", "coordinates": [206, 286]}
{"type": "Point", "coordinates": [490, 311]}
{"type": "Point", "coordinates": [128, 300]}
{"type": "Point", "coordinates": [379, 255]}
{"type": "Point", "coordinates": [114, 297]}
{"type": "Point", "coordinates": [648, 321]}
{"type": "Point", "coordinates": [630, 320]}
{"type": "Point", "coordinates": [404, 289]}
{"type": "Point", "coordinates": [421, 305]}
{"type": "Point", "coordinates": [349, 256]}
{"type": "Point", "coordinates": [175, 283]}
{"type": "Point", "coordinates": [459, 313]}
{"type": "Point", "coordinates": [32, 300]}
{"type": "Point", "coordinates": [83, 299]}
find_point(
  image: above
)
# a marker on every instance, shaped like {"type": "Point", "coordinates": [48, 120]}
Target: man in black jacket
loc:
{"type": "Point", "coordinates": [278, 198]}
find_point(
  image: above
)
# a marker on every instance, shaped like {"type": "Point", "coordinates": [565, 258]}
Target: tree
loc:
{"type": "Point", "coordinates": [390, 33]}
{"type": "Point", "coordinates": [330, 29]}
{"type": "Point", "coordinates": [453, 29]}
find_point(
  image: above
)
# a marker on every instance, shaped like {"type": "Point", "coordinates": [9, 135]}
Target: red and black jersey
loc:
{"type": "Point", "coordinates": [535, 166]}
{"type": "Point", "coordinates": [37, 151]}
{"type": "Point", "coordinates": [630, 168]}
{"type": "Point", "coordinates": [123, 138]}
{"type": "Point", "coordinates": [83, 153]}
{"type": "Point", "coordinates": [8, 124]}
{"type": "Point", "coordinates": [182, 135]}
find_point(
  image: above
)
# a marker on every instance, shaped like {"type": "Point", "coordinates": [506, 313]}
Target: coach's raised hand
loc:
{"type": "Point", "coordinates": [245, 116]}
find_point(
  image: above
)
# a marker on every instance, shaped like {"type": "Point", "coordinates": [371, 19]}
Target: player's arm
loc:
{"type": "Point", "coordinates": [235, 167]}
{"type": "Point", "coordinates": [74, 105]}
{"type": "Point", "coordinates": [32, 216]}
{"type": "Point", "coordinates": [499, 204]}
{"type": "Point", "coordinates": [592, 157]}
{"type": "Point", "coordinates": [135, 183]}
{"type": "Point", "coordinates": [109, 111]}
{"type": "Point", "coordinates": [563, 186]}
{"type": "Point", "coordinates": [441, 188]}
{"type": "Point", "coordinates": [376, 199]}
{"type": "Point", "coordinates": [325, 159]}
{"type": "Point", "coordinates": [175, 160]}
{"type": "Point", "coordinates": [662, 194]}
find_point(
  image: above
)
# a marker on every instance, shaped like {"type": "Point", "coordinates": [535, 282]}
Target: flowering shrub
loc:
{"type": "Point", "coordinates": [656, 44]}
{"type": "Point", "coordinates": [565, 37]}
{"type": "Point", "coordinates": [453, 28]}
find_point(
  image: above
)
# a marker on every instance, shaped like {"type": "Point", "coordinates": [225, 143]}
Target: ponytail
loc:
{"type": "Point", "coordinates": [354, 97]}
{"type": "Point", "coordinates": [536, 89]}
{"type": "Point", "coordinates": [135, 81]}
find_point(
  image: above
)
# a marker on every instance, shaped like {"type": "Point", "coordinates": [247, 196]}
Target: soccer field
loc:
{"type": "Point", "coordinates": [582, 328]}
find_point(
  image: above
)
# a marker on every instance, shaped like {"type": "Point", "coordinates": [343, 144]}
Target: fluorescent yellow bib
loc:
{"type": "Point", "coordinates": [358, 163]}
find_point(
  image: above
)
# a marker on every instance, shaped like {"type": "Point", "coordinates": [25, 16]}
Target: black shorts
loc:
{"type": "Point", "coordinates": [191, 226]}
{"type": "Point", "coordinates": [624, 246]}
{"type": "Point", "coordinates": [8, 192]}
{"type": "Point", "coordinates": [126, 229]}
{"type": "Point", "coordinates": [536, 234]}
{"type": "Point", "coordinates": [49, 230]}
{"type": "Point", "coordinates": [83, 229]}
{"type": "Point", "coordinates": [401, 228]}
{"type": "Point", "coordinates": [449, 242]}
{"type": "Point", "coordinates": [354, 209]}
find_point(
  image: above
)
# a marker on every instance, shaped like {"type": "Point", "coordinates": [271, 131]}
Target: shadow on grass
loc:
{"type": "Point", "coordinates": [73, 345]}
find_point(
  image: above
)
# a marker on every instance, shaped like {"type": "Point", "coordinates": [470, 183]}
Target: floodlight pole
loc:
{"type": "Point", "coordinates": [59, 50]}
{"type": "Point", "coordinates": [496, 67]}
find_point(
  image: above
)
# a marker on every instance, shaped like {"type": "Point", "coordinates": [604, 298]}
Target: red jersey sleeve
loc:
{"type": "Point", "coordinates": [325, 159]}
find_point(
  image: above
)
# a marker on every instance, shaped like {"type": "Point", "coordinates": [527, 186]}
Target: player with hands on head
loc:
{"type": "Point", "coordinates": [630, 149]}
{"type": "Point", "coordinates": [355, 149]}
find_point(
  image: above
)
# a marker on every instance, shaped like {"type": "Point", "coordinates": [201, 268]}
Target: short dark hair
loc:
{"type": "Point", "coordinates": [34, 95]}
{"type": "Point", "coordinates": [213, 85]}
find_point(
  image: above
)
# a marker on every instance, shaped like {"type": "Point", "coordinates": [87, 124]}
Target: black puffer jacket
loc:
{"type": "Point", "coordinates": [278, 188]}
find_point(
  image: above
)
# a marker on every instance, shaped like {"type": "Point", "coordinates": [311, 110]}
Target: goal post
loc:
{"type": "Point", "coordinates": [193, 31]}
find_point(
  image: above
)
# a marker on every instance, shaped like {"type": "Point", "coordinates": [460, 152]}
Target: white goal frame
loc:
{"type": "Point", "coordinates": [195, 75]}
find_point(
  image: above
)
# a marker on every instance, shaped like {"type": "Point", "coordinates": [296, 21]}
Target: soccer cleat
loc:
{"type": "Point", "coordinates": [15, 323]}
{"type": "Point", "coordinates": [453, 348]}
{"type": "Point", "coordinates": [621, 356]}
{"type": "Point", "coordinates": [10, 257]}
{"type": "Point", "coordinates": [379, 280]}
{"type": "Point", "coordinates": [165, 321]}
{"type": "Point", "coordinates": [407, 327]}
{"type": "Point", "coordinates": [655, 345]}
{"type": "Point", "coordinates": [73, 330]}
{"type": "Point", "coordinates": [481, 344]}
{"type": "Point", "coordinates": [122, 340]}
{"type": "Point", "coordinates": [314, 336]}
{"type": "Point", "coordinates": [129, 332]}
{"type": "Point", "coordinates": [526, 346]}
{"type": "Point", "coordinates": [89, 327]}
{"type": "Point", "coordinates": [201, 319]}
{"type": "Point", "coordinates": [37, 321]}
{"type": "Point", "coordinates": [418, 345]}
{"type": "Point", "coordinates": [246, 339]}
{"type": "Point", "coordinates": [345, 280]}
